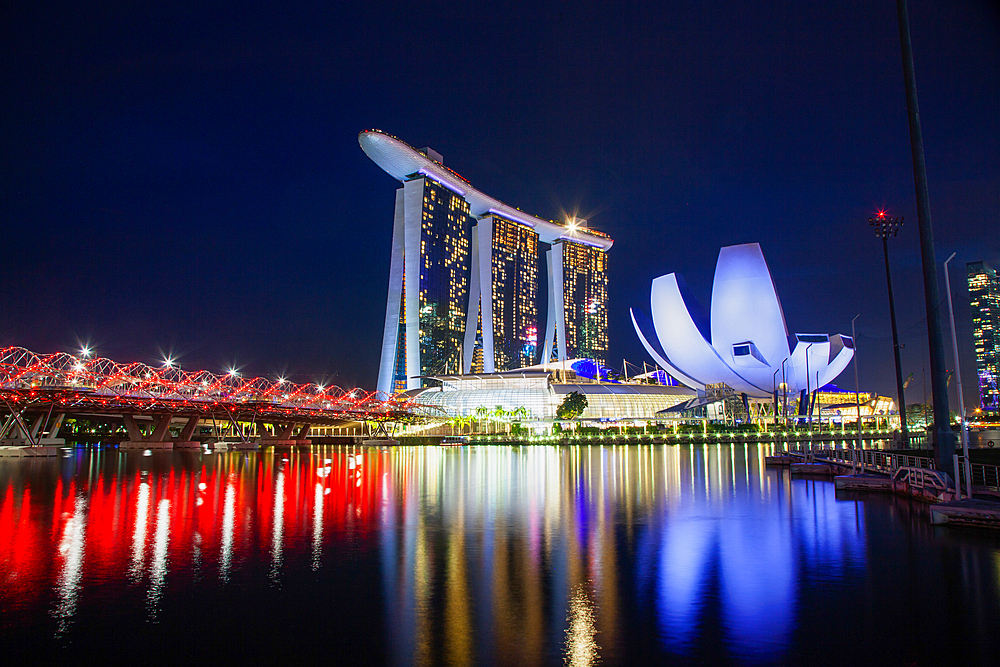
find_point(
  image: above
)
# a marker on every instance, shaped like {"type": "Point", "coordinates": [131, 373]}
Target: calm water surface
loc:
{"type": "Point", "coordinates": [479, 555]}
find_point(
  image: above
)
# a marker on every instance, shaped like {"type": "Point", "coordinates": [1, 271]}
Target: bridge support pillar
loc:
{"type": "Point", "coordinates": [37, 426]}
{"type": "Point", "coordinates": [132, 428]}
{"type": "Point", "coordinates": [284, 435]}
{"type": "Point", "coordinates": [184, 440]}
{"type": "Point", "coordinates": [158, 439]}
{"type": "Point", "coordinates": [52, 436]}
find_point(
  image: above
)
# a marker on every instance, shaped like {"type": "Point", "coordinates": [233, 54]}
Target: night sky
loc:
{"type": "Point", "coordinates": [185, 178]}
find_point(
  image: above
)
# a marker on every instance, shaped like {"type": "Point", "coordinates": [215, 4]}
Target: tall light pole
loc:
{"type": "Point", "coordinates": [774, 392]}
{"type": "Point", "coordinates": [944, 438]}
{"type": "Point", "coordinates": [809, 405]}
{"type": "Point", "coordinates": [857, 393]}
{"type": "Point", "coordinates": [958, 377]}
{"type": "Point", "coordinates": [884, 228]}
{"type": "Point", "coordinates": [784, 395]}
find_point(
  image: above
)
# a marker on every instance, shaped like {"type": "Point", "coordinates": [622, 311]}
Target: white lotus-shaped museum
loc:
{"type": "Point", "coordinates": [745, 343]}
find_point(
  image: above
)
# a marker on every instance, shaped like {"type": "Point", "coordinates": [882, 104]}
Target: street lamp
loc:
{"type": "Point", "coordinates": [884, 228]}
{"type": "Point", "coordinates": [774, 393]}
{"type": "Point", "coordinates": [857, 394]}
{"type": "Point", "coordinates": [808, 405]}
{"type": "Point", "coordinates": [784, 395]}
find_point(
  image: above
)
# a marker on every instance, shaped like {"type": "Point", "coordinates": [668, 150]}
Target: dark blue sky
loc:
{"type": "Point", "coordinates": [186, 177]}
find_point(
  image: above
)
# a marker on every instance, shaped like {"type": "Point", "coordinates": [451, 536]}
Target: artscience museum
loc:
{"type": "Point", "coordinates": [743, 340]}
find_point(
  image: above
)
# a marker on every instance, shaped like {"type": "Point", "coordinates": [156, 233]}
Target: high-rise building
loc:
{"type": "Point", "coordinates": [475, 262]}
{"type": "Point", "coordinates": [506, 294]}
{"type": "Point", "coordinates": [984, 298]}
{"type": "Point", "coordinates": [578, 280]}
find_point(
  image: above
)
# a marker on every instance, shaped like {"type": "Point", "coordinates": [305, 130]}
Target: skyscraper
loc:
{"type": "Point", "coordinates": [578, 280]}
{"type": "Point", "coordinates": [506, 294]}
{"type": "Point", "coordinates": [984, 298]}
{"type": "Point", "coordinates": [475, 263]}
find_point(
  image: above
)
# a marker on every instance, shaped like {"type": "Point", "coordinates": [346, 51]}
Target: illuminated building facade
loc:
{"type": "Point", "coordinates": [578, 280]}
{"type": "Point", "coordinates": [538, 391]}
{"type": "Point", "coordinates": [476, 263]}
{"type": "Point", "coordinates": [984, 298]}
{"type": "Point", "coordinates": [743, 341]}
{"type": "Point", "coordinates": [431, 251]}
{"type": "Point", "coordinates": [505, 262]}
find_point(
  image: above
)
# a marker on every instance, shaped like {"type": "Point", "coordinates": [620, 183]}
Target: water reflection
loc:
{"type": "Point", "coordinates": [158, 566]}
{"type": "Point", "coordinates": [228, 524]}
{"type": "Point", "coordinates": [581, 646]}
{"type": "Point", "coordinates": [278, 524]}
{"type": "Point", "coordinates": [488, 555]}
{"type": "Point", "coordinates": [139, 531]}
{"type": "Point", "coordinates": [71, 548]}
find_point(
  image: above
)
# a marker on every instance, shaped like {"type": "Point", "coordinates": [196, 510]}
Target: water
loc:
{"type": "Point", "coordinates": [479, 555]}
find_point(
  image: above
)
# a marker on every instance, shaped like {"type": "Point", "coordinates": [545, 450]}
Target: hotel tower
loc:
{"type": "Point", "coordinates": [467, 274]}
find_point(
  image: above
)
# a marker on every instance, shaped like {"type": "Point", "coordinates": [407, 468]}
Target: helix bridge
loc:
{"type": "Point", "coordinates": [62, 383]}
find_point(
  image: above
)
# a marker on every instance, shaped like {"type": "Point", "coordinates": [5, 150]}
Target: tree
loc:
{"type": "Point", "coordinates": [481, 412]}
{"type": "Point", "coordinates": [572, 406]}
{"type": "Point", "coordinates": [500, 414]}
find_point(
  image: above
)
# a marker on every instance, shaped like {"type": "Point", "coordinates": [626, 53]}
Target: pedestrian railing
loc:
{"type": "Point", "coordinates": [983, 474]}
{"type": "Point", "coordinates": [869, 459]}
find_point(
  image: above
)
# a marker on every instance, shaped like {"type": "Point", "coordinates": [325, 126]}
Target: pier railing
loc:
{"type": "Point", "coordinates": [869, 459]}
{"type": "Point", "coordinates": [983, 474]}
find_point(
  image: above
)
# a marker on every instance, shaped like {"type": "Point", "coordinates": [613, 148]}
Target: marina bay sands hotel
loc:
{"type": "Point", "coordinates": [465, 278]}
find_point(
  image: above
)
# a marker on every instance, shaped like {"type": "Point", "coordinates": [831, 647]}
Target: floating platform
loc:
{"type": "Point", "coordinates": [969, 512]}
{"type": "Point", "coordinates": [144, 444]}
{"type": "Point", "coordinates": [232, 445]}
{"type": "Point", "coordinates": [28, 452]}
{"type": "Point", "coordinates": [825, 469]}
{"type": "Point", "coordinates": [862, 483]}
{"type": "Point", "coordinates": [385, 442]}
{"type": "Point", "coordinates": [780, 460]}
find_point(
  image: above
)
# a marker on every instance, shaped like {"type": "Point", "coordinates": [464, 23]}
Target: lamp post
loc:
{"type": "Point", "coordinates": [808, 415]}
{"type": "Point", "coordinates": [774, 393]}
{"type": "Point", "coordinates": [859, 446]}
{"type": "Point", "coordinates": [884, 228]}
{"type": "Point", "coordinates": [958, 377]}
{"type": "Point", "coordinates": [784, 395]}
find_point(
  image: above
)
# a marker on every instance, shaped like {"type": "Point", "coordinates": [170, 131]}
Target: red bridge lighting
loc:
{"type": "Point", "coordinates": [98, 384]}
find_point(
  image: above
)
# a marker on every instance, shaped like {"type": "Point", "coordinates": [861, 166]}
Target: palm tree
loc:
{"type": "Point", "coordinates": [481, 412]}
